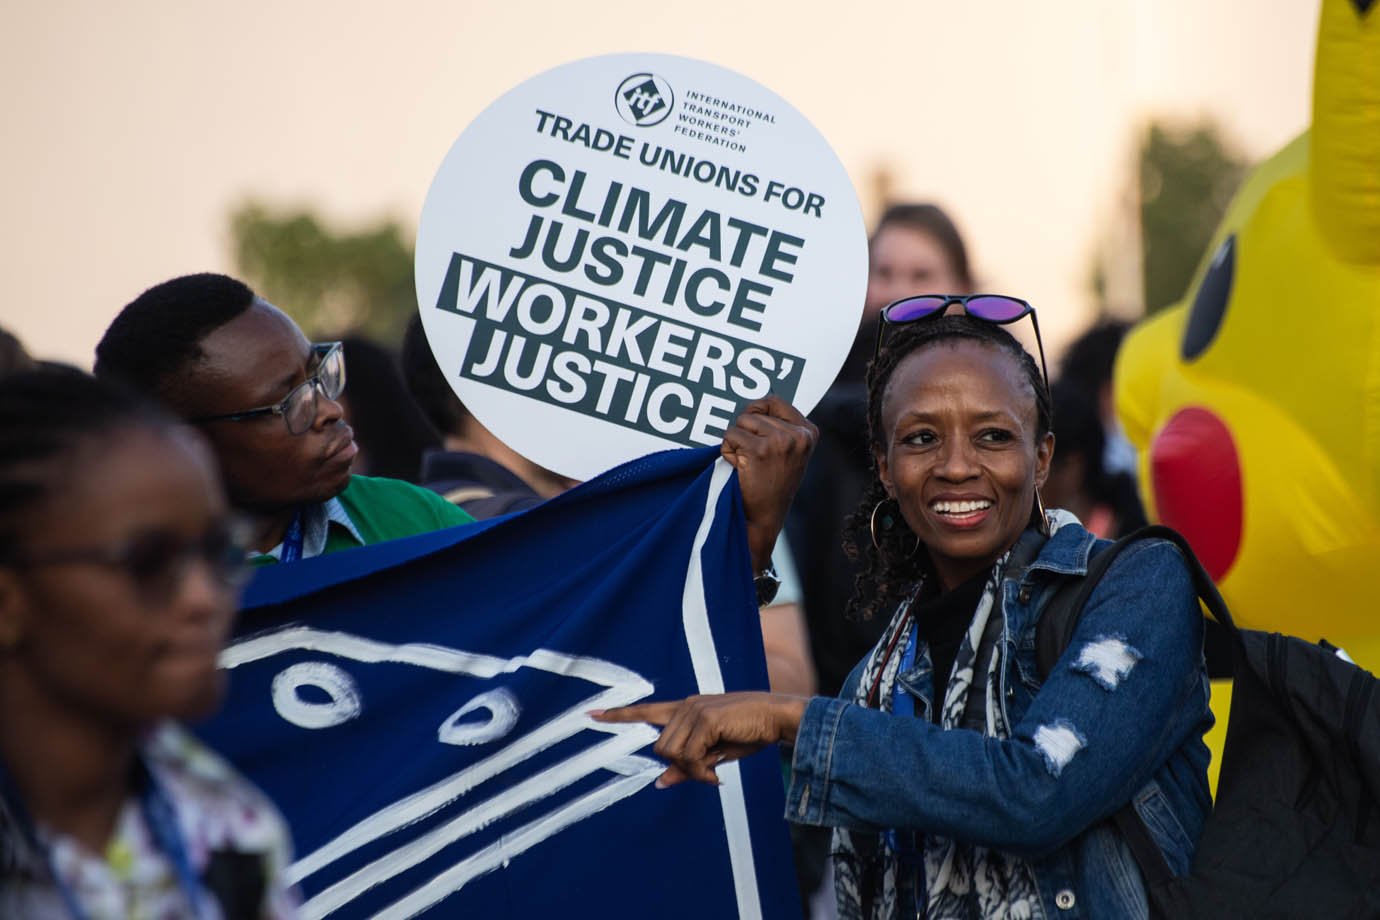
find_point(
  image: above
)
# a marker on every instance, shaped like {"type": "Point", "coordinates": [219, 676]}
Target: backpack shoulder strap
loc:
{"type": "Point", "coordinates": [1055, 631]}
{"type": "Point", "coordinates": [1061, 615]}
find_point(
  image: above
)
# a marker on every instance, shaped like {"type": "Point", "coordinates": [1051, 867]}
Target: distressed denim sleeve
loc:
{"type": "Point", "coordinates": [1125, 697]}
{"type": "Point", "coordinates": [814, 750]}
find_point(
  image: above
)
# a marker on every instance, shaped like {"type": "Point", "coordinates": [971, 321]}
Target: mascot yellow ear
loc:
{"type": "Point", "coordinates": [1256, 402]}
{"type": "Point", "coordinates": [1344, 176]}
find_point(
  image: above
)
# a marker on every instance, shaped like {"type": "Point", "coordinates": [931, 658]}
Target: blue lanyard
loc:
{"type": "Point", "coordinates": [162, 823]}
{"type": "Point", "coordinates": [902, 703]}
{"type": "Point", "coordinates": [167, 834]}
{"type": "Point", "coordinates": [292, 540]}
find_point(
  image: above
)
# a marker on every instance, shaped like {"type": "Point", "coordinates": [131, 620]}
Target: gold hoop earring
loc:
{"type": "Point", "coordinates": [872, 524]}
{"type": "Point", "coordinates": [887, 525]}
{"type": "Point", "coordinates": [1040, 510]}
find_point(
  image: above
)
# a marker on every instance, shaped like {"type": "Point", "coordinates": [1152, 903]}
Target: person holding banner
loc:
{"type": "Point", "coordinates": [958, 783]}
{"type": "Point", "coordinates": [118, 573]}
{"type": "Point", "coordinates": [241, 370]}
{"type": "Point", "coordinates": [915, 248]}
{"type": "Point", "coordinates": [237, 367]}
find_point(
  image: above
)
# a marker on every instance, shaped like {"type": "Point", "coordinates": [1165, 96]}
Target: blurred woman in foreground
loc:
{"type": "Point", "coordinates": [118, 574]}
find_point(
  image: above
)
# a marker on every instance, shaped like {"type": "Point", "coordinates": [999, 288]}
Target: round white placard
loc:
{"type": "Point", "coordinates": [619, 254]}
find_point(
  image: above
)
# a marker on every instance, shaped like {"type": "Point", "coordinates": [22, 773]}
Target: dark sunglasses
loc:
{"type": "Point", "coordinates": [299, 407]}
{"type": "Point", "coordinates": [157, 561]}
{"type": "Point", "coordinates": [990, 308]}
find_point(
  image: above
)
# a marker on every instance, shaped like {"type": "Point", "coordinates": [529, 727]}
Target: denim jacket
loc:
{"type": "Point", "coordinates": [1119, 719]}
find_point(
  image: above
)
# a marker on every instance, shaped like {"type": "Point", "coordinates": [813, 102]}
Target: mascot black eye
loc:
{"type": "Point", "coordinates": [1210, 304]}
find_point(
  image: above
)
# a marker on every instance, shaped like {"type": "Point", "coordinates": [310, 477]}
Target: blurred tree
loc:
{"type": "Point", "coordinates": [1187, 178]}
{"type": "Point", "coordinates": [330, 281]}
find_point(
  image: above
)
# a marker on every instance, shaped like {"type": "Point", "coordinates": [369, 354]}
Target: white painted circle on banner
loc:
{"type": "Point", "coordinates": [342, 701]}
{"type": "Point", "coordinates": [619, 254]}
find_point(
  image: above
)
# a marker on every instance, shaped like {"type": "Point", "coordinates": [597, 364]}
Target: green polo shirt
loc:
{"type": "Point", "coordinates": [379, 510]}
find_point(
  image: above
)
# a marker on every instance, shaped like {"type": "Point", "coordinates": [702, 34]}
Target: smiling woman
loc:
{"type": "Point", "coordinates": [965, 454]}
{"type": "Point", "coordinates": [957, 782]}
{"type": "Point", "coordinates": [119, 566]}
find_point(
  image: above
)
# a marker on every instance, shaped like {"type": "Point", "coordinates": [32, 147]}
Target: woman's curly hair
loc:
{"type": "Point", "coordinates": [889, 572]}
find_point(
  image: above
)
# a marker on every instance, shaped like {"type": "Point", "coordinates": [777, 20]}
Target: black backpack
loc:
{"type": "Point", "coordinates": [1294, 830]}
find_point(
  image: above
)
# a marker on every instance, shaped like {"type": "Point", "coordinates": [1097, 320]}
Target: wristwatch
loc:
{"type": "Point", "coordinates": [767, 583]}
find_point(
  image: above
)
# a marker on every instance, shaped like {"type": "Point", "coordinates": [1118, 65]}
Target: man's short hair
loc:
{"type": "Point", "coordinates": [427, 382]}
{"type": "Point", "coordinates": [159, 333]}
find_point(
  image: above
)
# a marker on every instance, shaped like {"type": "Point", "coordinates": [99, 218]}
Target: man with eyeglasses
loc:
{"type": "Point", "coordinates": [241, 370]}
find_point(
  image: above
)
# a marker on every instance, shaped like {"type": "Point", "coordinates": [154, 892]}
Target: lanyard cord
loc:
{"type": "Point", "coordinates": [886, 656]}
{"type": "Point", "coordinates": [902, 841]}
{"type": "Point", "coordinates": [292, 539]}
{"type": "Point", "coordinates": [158, 814]}
{"type": "Point", "coordinates": [167, 835]}
{"type": "Point", "coordinates": [902, 703]}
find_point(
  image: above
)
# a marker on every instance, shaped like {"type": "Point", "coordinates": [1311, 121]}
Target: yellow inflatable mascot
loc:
{"type": "Point", "coordinates": [1256, 403]}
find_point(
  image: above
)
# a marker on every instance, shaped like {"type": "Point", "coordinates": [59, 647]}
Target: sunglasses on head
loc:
{"type": "Point", "coordinates": [997, 309]}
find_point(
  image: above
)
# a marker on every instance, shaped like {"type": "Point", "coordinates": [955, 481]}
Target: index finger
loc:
{"type": "Point", "coordinates": [776, 407]}
{"type": "Point", "coordinates": [653, 713]}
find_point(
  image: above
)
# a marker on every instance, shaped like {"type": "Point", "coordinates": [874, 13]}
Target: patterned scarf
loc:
{"type": "Point", "coordinates": [960, 880]}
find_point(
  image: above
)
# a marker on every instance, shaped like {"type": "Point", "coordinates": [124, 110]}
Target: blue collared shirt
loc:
{"type": "Point", "coordinates": [316, 525]}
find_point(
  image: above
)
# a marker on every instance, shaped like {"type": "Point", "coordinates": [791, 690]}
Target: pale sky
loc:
{"type": "Point", "coordinates": [132, 129]}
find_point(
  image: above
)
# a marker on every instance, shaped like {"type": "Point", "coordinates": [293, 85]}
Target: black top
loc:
{"type": "Point", "coordinates": [941, 620]}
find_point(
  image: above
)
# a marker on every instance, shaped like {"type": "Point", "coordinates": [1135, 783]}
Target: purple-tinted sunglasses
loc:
{"type": "Point", "coordinates": [991, 308]}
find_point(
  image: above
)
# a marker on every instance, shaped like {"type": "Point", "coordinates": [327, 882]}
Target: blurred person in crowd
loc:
{"type": "Point", "coordinates": [478, 471]}
{"type": "Point", "coordinates": [915, 249]}
{"type": "Point", "coordinates": [392, 433]}
{"type": "Point", "coordinates": [119, 566]}
{"type": "Point", "coordinates": [1104, 502]}
{"type": "Point", "coordinates": [1088, 363]}
{"type": "Point", "coordinates": [13, 357]}
{"type": "Point", "coordinates": [785, 636]}
{"type": "Point", "coordinates": [471, 467]}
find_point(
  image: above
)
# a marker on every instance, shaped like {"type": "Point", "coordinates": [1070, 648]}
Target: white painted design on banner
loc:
{"type": "Point", "coordinates": [524, 838]}
{"type": "Point", "coordinates": [531, 790]}
{"type": "Point", "coordinates": [503, 711]}
{"type": "Point", "coordinates": [709, 679]}
{"type": "Point", "coordinates": [615, 754]}
{"type": "Point", "coordinates": [342, 703]}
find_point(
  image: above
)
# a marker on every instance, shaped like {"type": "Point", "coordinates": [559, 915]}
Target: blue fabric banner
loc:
{"type": "Point", "coordinates": [417, 709]}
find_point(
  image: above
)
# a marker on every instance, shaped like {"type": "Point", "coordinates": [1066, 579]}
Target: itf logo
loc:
{"type": "Point", "coordinates": [644, 99]}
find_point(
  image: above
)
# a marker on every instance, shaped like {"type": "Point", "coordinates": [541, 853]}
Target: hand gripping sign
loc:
{"type": "Point", "coordinates": [619, 254]}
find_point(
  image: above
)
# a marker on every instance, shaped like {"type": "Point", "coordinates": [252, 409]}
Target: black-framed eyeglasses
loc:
{"type": "Point", "coordinates": [991, 308]}
{"type": "Point", "coordinates": [298, 408]}
{"type": "Point", "coordinates": [157, 562]}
